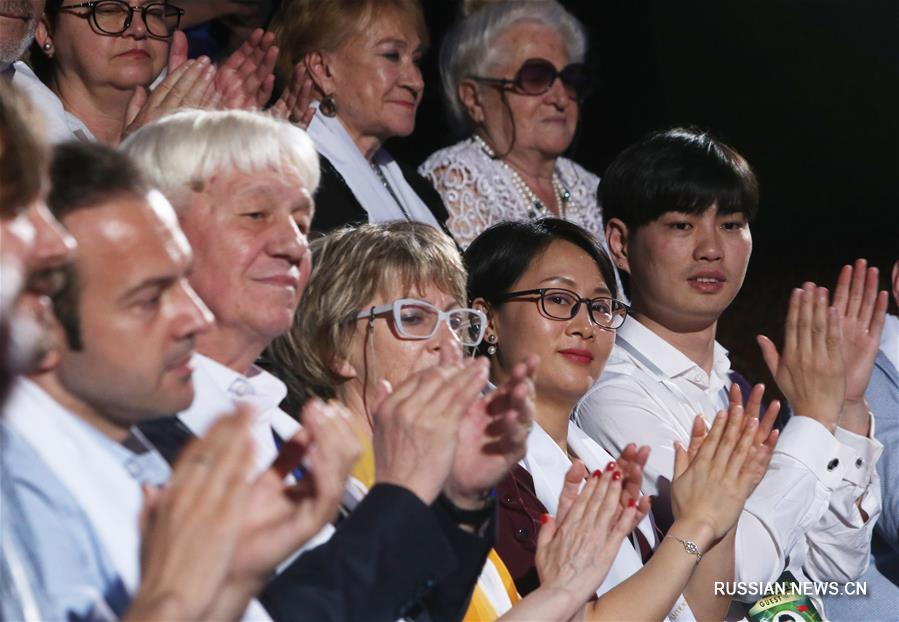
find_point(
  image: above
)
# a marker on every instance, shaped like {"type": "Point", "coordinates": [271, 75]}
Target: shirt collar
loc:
{"type": "Point", "coordinates": [659, 357]}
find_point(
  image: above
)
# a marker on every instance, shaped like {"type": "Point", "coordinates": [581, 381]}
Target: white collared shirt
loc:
{"type": "Point", "coordinates": [219, 389]}
{"type": "Point", "coordinates": [803, 515]}
{"type": "Point", "coordinates": [59, 124]}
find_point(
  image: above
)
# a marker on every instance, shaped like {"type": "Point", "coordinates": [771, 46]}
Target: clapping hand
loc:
{"type": "Point", "coordinates": [294, 103]}
{"type": "Point", "coordinates": [810, 371]}
{"type": "Point", "coordinates": [246, 79]}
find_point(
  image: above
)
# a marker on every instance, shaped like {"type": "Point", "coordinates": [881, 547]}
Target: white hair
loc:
{"type": "Point", "coordinates": [469, 49]}
{"type": "Point", "coordinates": [190, 146]}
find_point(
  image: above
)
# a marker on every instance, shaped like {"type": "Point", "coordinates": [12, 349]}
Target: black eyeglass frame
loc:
{"type": "Point", "coordinates": [179, 13]}
{"type": "Point", "coordinates": [615, 304]}
{"type": "Point", "coordinates": [517, 83]}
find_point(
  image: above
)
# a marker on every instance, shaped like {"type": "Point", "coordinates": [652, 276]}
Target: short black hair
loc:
{"type": "Point", "coordinates": [678, 170]}
{"type": "Point", "coordinates": [498, 257]}
{"type": "Point", "coordinates": [83, 175]}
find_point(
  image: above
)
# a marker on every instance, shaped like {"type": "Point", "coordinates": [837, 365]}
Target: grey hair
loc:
{"type": "Point", "coordinates": [188, 147]}
{"type": "Point", "coordinates": [470, 46]}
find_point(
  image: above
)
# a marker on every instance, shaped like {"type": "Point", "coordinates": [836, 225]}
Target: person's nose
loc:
{"type": "Point", "coordinates": [193, 316]}
{"type": "Point", "coordinates": [53, 246]}
{"type": "Point", "coordinates": [708, 242]}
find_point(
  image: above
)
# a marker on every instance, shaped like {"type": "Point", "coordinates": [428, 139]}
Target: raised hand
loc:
{"type": "Point", "coordinates": [191, 528]}
{"type": "Point", "coordinates": [493, 437]}
{"type": "Point", "coordinates": [416, 425]}
{"type": "Point", "coordinates": [862, 312]}
{"type": "Point", "coordinates": [246, 79]}
{"type": "Point", "coordinates": [712, 488]}
{"type": "Point", "coordinates": [295, 100]}
{"type": "Point", "coordinates": [188, 86]}
{"type": "Point", "coordinates": [810, 372]}
{"type": "Point", "coordinates": [279, 516]}
{"type": "Point", "coordinates": [630, 464]}
{"type": "Point", "coordinates": [576, 550]}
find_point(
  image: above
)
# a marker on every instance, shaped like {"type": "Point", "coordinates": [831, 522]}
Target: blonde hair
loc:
{"type": "Point", "coordinates": [183, 149]}
{"type": "Point", "coordinates": [351, 267]}
{"type": "Point", "coordinates": [304, 26]}
{"type": "Point", "coordinates": [24, 154]}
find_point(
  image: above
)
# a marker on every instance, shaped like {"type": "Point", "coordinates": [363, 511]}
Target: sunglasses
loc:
{"type": "Point", "coordinates": [537, 75]}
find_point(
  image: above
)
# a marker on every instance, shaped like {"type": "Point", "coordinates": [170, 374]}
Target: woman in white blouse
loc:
{"type": "Point", "coordinates": [513, 76]}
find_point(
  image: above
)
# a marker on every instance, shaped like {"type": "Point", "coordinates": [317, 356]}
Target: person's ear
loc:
{"type": "Point", "coordinates": [617, 240]}
{"type": "Point", "coordinates": [43, 37]}
{"type": "Point", "coordinates": [344, 368]}
{"type": "Point", "coordinates": [470, 96]}
{"type": "Point", "coordinates": [319, 66]}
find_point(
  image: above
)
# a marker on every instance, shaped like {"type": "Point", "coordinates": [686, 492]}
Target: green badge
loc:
{"type": "Point", "coordinates": [786, 605]}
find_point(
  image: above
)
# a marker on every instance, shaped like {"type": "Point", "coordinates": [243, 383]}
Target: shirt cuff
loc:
{"type": "Point", "coordinates": [810, 443]}
{"type": "Point", "coordinates": [859, 453]}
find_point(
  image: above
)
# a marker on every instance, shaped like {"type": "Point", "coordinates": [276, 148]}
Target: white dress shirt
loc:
{"type": "Point", "coordinates": [59, 125]}
{"type": "Point", "coordinates": [548, 464]}
{"type": "Point", "coordinates": [802, 516]}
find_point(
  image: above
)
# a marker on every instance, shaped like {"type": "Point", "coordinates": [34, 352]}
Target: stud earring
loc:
{"type": "Point", "coordinates": [328, 106]}
{"type": "Point", "coordinates": [491, 349]}
{"type": "Point", "coordinates": [47, 46]}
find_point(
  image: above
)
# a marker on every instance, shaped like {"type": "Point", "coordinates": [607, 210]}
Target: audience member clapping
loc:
{"type": "Point", "coordinates": [362, 59]}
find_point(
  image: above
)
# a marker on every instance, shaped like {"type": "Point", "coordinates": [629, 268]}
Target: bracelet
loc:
{"type": "Point", "coordinates": [689, 546]}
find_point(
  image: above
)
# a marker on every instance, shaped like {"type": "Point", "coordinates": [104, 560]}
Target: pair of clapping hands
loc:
{"type": "Point", "coordinates": [244, 81]}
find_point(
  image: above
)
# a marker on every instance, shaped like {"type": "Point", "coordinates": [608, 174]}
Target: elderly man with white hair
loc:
{"type": "Point", "coordinates": [242, 186]}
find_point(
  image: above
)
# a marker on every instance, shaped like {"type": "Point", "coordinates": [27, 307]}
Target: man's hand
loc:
{"type": "Point", "coordinates": [493, 437]}
{"type": "Point", "coordinates": [810, 372]}
{"type": "Point", "coordinates": [862, 312]}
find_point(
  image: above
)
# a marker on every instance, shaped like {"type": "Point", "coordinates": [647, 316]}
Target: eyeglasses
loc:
{"type": "Point", "coordinates": [417, 319]}
{"type": "Point", "coordinates": [113, 17]}
{"type": "Point", "coordinates": [537, 75]}
{"type": "Point", "coordinates": [563, 304]}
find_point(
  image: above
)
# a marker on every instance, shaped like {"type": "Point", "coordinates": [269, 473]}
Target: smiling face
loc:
{"type": "Point", "coordinates": [375, 80]}
{"type": "Point", "coordinates": [572, 352]}
{"type": "Point", "coordinates": [397, 357]}
{"type": "Point", "coordinates": [686, 269]}
{"type": "Point", "coordinates": [18, 20]}
{"type": "Point", "coordinates": [542, 123]}
{"type": "Point", "coordinates": [83, 53]}
{"type": "Point", "coordinates": [138, 317]}
{"type": "Point", "coordinates": [252, 261]}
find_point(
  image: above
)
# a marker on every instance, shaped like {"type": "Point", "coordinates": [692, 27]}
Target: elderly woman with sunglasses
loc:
{"type": "Point", "coordinates": [513, 77]}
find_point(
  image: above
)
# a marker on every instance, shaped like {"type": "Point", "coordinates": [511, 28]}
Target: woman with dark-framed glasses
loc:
{"type": "Point", "coordinates": [514, 77]}
{"type": "Point", "coordinates": [547, 288]}
{"type": "Point", "coordinates": [93, 54]}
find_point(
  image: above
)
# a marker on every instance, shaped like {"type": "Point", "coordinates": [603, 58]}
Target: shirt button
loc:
{"type": "Point", "coordinates": [522, 533]}
{"type": "Point", "coordinates": [508, 500]}
{"type": "Point", "coordinates": [833, 464]}
{"type": "Point", "coordinates": [858, 463]}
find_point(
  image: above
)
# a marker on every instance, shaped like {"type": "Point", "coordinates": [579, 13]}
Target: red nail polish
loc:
{"type": "Point", "coordinates": [597, 473]}
{"type": "Point", "coordinates": [616, 475]}
{"type": "Point", "coordinates": [544, 518]}
{"type": "Point", "coordinates": [631, 503]}
{"type": "Point", "coordinates": [611, 466]}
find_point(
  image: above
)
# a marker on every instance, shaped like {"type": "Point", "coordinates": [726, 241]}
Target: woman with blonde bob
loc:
{"type": "Point", "coordinates": [387, 301]}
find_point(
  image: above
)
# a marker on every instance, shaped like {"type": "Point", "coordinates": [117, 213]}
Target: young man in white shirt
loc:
{"type": "Point", "coordinates": [677, 208]}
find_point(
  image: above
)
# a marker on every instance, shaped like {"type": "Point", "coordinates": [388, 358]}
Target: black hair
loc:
{"type": "Point", "coordinates": [498, 257]}
{"type": "Point", "coordinates": [83, 175]}
{"type": "Point", "coordinates": [677, 170]}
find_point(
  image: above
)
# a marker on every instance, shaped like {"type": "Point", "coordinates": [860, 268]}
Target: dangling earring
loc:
{"type": "Point", "coordinates": [491, 349]}
{"type": "Point", "coordinates": [328, 106]}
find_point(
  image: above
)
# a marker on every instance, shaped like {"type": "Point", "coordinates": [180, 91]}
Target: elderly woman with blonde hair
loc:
{"type": "Point", "coordinates": [387, 302]}
{"type": "Point", "coordinates": [514, 79]}
{"type": "Point", "coordinates": [362, 59]}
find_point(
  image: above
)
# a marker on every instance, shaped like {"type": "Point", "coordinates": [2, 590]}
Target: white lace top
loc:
{"type": "Point", "coordinates": [479, 191]}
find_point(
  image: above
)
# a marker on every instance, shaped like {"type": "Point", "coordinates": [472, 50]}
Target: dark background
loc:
{"type": "Point", "coordinates": [806, 90]}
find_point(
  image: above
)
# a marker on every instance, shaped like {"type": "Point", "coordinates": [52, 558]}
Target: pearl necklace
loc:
{"type": "Point", "coordinates": [536, 207]}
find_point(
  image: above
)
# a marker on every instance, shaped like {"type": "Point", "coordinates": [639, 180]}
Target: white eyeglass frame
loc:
{"type": "Point", "coordinates": [442, 316]}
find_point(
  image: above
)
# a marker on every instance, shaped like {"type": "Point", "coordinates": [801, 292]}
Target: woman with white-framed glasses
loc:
{"type": "Point", "coordinates": [514, 79]}
{"type": "Point", "coordinates": [93, 54]}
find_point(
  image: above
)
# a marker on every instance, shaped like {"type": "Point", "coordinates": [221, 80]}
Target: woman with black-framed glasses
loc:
{"type": "Point", "coordinates": [93, 54]}
{"type": "Point", "coordinates": [514, 80]}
